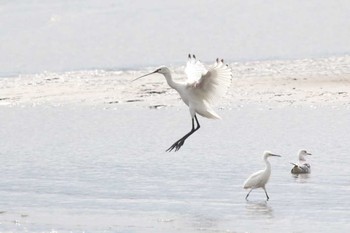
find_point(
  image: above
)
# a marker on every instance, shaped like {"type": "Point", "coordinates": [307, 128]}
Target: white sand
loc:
{"type": "Point", "coordinates": [308, 81]}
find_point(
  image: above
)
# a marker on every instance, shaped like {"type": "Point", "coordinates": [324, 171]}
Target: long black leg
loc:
{"type": "Point", "coordinates": [246, 197]}
{"type": "Point", "coordinates": [179, 143]}
{"type": "Point", "coordinates": [267, 196]}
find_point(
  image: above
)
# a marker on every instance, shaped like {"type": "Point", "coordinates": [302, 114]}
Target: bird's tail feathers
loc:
{"type": "Point", "coordinates": [209, 113]}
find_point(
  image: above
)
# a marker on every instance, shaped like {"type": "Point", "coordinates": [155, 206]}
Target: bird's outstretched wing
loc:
{"type": "Point", "coordinates": [194, 69]}
{"type": "Point", "coordinates": [212, 84]}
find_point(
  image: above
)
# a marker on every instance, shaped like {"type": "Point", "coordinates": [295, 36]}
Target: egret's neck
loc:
{"type": "Point", "coordinates": [268, 165]}
{"type": "Point", "coordinates": [301, 157]}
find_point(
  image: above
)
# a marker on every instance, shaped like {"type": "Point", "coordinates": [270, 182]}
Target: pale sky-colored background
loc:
{"type": "Point", "coordinates": [58, 35]}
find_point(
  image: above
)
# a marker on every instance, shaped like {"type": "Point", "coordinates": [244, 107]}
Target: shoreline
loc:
{"type": "Point", "coordinates": [277, 83]}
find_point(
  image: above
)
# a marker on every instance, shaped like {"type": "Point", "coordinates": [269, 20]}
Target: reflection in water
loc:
{"type": "Point", "coordinates": [301, 178]}
{"type": "Point", "coordinates": [202, 222]}
{"type": "Point", "coordinates": [259, 208]}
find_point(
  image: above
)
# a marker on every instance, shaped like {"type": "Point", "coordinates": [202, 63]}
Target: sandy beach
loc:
{"type": "Point", "coordinates": [297, 82]}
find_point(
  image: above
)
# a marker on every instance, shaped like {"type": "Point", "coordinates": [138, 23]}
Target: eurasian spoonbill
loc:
{"type": "Point", "coordinates": [203, 87]}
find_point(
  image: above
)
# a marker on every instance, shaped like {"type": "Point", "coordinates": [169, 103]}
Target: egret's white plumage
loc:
{"type": "Point", "coordinates": [260, 178]}
{"type": "Point", "coordinates": [203, 87]}
{"type": "Point", "coordinates": [302, 166]}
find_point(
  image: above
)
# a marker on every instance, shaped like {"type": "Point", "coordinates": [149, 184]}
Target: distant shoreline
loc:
{"type": "Point", "coordinates": [305, 81]}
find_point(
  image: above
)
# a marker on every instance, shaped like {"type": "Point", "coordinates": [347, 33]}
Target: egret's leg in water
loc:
{"type": "Point", "coordinates": [246, 197]}
{"type": "Point", "coordinates": [267, 196]}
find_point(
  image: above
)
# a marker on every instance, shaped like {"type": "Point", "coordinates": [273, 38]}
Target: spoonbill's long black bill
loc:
{"type": "Point", "coordinates": [144, 76]}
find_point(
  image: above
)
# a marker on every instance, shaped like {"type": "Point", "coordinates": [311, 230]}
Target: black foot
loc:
{"type": "Point", "coordinates": [177, 145]}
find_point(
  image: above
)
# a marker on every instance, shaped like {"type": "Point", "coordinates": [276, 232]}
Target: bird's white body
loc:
{"type": "Point", "coordinates": [302, 167]}
{"type": "Point", "coordinates": [191, 99]}
{"type": "Point", "coordinates": [202, 88]}
{"type": "Point", "coordinates": [260, 178]}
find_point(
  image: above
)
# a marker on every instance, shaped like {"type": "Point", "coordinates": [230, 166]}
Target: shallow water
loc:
{"type": "Point", "coordinates": [95, 169]}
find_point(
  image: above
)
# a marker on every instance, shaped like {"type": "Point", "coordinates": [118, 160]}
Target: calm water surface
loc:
{"type": "Point", "coordinates": [89, 169]}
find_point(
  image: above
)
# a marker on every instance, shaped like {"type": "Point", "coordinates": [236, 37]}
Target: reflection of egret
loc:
{"type": "Point", "coordinates": [302, 166]}
{"type": "Point", "coordinates": [202, 88]}
{"type": "Point", "coordinates": [260, 178]}
{"type": "Point", "coordinates": [259, 208]}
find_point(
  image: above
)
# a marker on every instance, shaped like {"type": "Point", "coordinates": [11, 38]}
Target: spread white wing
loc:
{"type": "Point", "coordinates": [194, 69]}
{"type": "Point", "coordinates": [209, 84]}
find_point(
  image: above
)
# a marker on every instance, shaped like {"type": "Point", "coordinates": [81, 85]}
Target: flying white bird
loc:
{"type": "Point", "coordinates": [202, 88]}
{"type": "Point", "coordinates": [302, 167]}
{"type": "Point", "coordinates": [260, 178]}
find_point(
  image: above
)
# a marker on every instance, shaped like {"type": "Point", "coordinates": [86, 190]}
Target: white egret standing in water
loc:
{"type": "Point", "coordinates": [260, 178]}
{"type": "Point", "coordinates": [201, 89]}
{"type": "Point", "coordinates": [302, 167]}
